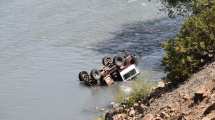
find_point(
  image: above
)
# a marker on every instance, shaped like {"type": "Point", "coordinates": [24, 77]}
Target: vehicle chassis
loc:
{"type": "Point", "coordinates": [119, 68]}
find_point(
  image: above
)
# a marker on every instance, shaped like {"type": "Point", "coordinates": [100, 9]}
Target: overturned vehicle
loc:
{"type": "Point", "coordinates": [119, 68]}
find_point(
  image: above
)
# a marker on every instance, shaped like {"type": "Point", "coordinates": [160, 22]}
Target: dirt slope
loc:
{"type": "Point", "coordinates": [193, 100]}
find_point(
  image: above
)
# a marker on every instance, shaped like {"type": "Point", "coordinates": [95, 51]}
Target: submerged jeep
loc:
{"type": "Point", "coordinates": [118, 68]}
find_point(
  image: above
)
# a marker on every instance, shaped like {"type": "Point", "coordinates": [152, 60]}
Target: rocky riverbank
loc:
{"type": "Point", "coordinates": [192, 100]}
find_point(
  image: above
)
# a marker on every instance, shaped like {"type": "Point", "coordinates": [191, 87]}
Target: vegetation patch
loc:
{"type": "Point", "coordinates": [139, 89]}
{"type": "Point", "coordinates": [194, 46]}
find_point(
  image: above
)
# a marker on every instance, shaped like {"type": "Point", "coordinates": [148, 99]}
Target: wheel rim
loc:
{"type": "Point", "coordinates": [95, 74]}
{"type": "Point", "coordinates": [83, 76]}
{"type": "Point", "coordinates": [119, 61]}
{"type": "Point", "coordinates": [107, 61]}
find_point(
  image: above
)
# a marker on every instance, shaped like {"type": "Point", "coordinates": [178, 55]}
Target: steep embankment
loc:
{"type": "Point", "coordinates": [193, 100]}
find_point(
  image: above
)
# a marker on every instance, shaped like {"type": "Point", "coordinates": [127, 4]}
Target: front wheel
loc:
{"type": "Point", "coordinates": [95, 74]}
{"type": "Point", "coordinates": [119, 61]}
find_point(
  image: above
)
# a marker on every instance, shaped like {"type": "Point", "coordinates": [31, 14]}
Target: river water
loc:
{"type": "Point", "coordinates": [45, 43]}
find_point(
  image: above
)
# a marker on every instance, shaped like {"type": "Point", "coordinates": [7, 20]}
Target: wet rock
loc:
{"type": "Point", "coordinates": [161, 84]}
{"type": "Point", "coordinates": [109, 116]}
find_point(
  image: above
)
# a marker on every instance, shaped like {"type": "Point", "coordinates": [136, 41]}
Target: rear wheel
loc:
{"type": "Point", "coordinates": [95, 74]}
{"type": "Point", "coordinates": [107, 61]}
{"type": "Point", "coordinates": [84, 76]}
{"type": "Point", "coordinates": [119, 61]}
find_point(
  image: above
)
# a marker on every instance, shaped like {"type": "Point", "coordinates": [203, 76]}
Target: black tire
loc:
{"type": "Point", "coordinates": [119, 61]}
{"type": "Point", "coordinates": [107, 61]}
{"type": "Point", "coordinates": [84, 76]}
{"type": "Point", "coordinates": [134, 60]}
{"type": "Point", "coordinates": [95, 74]}
{"type": "Point", "coordinates": [90, 82]}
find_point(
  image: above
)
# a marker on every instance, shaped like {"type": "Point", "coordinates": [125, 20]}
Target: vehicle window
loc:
{"type": "Point", "coordinates": [129, 74]}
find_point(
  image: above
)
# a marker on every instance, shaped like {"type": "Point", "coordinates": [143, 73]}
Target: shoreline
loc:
{"type": "Point", "coordinates": [192, 100]}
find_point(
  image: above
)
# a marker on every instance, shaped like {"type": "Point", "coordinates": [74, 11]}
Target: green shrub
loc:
{"type": "Point", "coordinates": [194, 46]}
{"type": "Point", "coordinates": [177, 7]}
{"type": "Point", "coordinates": [140, 90]}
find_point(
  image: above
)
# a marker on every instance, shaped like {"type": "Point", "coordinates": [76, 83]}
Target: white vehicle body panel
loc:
{"type": "Point", "coordinates": [130, 72]}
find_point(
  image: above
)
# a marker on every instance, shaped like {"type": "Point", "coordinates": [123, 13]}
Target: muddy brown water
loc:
{"type": "Point", "coordinates": [45, 43]}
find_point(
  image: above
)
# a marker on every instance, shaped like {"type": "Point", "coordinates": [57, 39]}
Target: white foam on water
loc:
{"type": "Point", "coordinates": [126, 89]}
